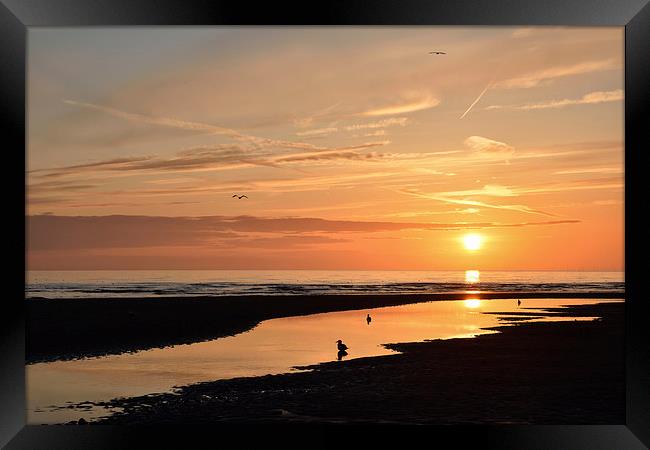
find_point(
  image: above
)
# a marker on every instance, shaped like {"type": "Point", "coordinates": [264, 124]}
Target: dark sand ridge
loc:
{"type": "Point", "coordinates": [529, 373]}
{"type": "Point", "coordinates": [60, 329]}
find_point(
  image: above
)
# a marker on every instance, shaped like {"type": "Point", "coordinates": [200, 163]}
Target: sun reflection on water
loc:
{"type": "Point", "coordinates": [472, 303]}
{"type": "Point", "coordinates": [472, 276]}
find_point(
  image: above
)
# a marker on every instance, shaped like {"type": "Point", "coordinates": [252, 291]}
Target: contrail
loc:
{"type": "Point", "coordinates": [477, 99]}
{"type": "Point", "coordinates": [494, 75]}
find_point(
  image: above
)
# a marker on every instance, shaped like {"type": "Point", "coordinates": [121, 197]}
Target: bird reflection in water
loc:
{"type": "Point", "coordinates": [341, 354]}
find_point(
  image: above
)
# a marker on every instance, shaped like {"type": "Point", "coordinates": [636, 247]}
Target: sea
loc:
{"type": "Point", "coordinates": [67, 390]}
{"type": "Point", "coordinates": [192, 283]}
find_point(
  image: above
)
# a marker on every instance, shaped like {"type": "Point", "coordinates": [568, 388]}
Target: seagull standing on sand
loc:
{"type": "Point", "coordinates": [342, 350]}
{"type": "Point", "coordinates": [368, 319]}
{"type": "Point", "coordinates": [518, 302]}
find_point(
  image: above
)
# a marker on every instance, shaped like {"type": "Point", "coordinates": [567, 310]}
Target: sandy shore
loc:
{"type": "Point", "coordinates": [72, 328]}
{"type": "Point", "coordinates": [531, 373]}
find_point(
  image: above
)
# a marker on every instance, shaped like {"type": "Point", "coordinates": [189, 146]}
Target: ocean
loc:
{"type": "Point", "coordinates": [189, 283]}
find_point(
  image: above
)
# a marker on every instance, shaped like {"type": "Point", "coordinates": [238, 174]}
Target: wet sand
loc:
{"type": "Point", "coordinates": [530, 373]}
{"type": "Point", "coordinates": [62, 329]}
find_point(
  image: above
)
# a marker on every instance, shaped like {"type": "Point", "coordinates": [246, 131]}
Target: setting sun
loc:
{"type": "Point", "coordinates": [454, 194]}
{"type": "Point", "coordinates": [472, 241]}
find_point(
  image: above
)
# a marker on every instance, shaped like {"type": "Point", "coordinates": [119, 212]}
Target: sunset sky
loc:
{"type": "Point", "coordinates": [356, 147]}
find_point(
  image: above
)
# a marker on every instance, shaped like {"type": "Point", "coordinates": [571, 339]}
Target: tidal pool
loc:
{"type": "Point", "coordinates": [56, 389]}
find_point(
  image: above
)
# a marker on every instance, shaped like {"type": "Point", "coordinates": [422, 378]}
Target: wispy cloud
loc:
{"type": "Point", "coordinates": [607, 202]}
{"type": "Point", "coordinates": [377, 127]}
{"type": "Point", "coordinates": [185, 160]}
{"type": "Point", "coordinates": [217, 157]}
{"type": "Point", "coordinates": [317, 132]}
{"type": "Point", "coordinates": [392, 121]}
{"type": "Point", "coordinates": [162, 121]}
{"type": "Point", "coordinates": [99, 165]}
{"type": "Point", "coordinates": [587, 99]}
{"type": "Point", "coordinates": [249, 141]}
{"type": "Point", "coordinates": [488, 190]}
{"type": "Point", "coordinates": [578, 185]}
{"type": "Point", "coordinates": [534, 79]}
{"type": "Point", "coordinates": [410, 103]}
{"type": "Point", "coordinates": [489, 147]}
{"type": "Point", "coordinates": [451, 197]}
{"type": "Point", "coordinates": [307, 121]}
{"type": "Point", "coordinates": [590, 170]}
{"type": "Point", "coordinates": [59, 185]}
{"type": "Point", "coordinates": [428, 213]}
{"type": "Point", "coordinates": [64, 233]}
{"type": "Point", "coordinates": [330, 156]}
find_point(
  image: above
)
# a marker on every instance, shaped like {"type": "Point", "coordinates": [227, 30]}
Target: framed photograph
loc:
{"type": "Point", "coordinates": [402, 220]}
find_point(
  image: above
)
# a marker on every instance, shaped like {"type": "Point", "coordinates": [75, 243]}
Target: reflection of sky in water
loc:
{"type": "Point", "coordinates": [275, 346]}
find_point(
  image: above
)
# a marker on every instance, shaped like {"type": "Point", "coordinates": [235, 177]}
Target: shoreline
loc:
{"type": "Point", "coordinates": [64, 329]}
{"type": "Point", "coordinates": [570, 372]}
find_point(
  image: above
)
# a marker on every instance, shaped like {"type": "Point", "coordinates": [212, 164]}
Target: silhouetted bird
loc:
{"type": "Point", "coordinates": [239, 196]}
{"type": "Point", "coordinates": [368, 319]}
{"type": "Point", "coordinates": [437, 53]}
{"type": "Point", "coordinates": [518, 302]}
{"type": "Point", "coordinates": [341, 346]}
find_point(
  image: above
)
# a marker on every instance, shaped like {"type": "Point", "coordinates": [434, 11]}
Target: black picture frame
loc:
{"type": "Point", "coordinates": [17, 15]}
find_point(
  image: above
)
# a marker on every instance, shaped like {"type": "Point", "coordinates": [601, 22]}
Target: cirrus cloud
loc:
{"type": "Point", "coordinates": [489, 147]}
{"type": "Point", "coordinates": [64, 233]}
{"type": "Point", "coordinates": [410, 102]}
{"type": "Point", "coordinates": [587, 99]}
{"type": "Point", "coordinates": [537, 78]}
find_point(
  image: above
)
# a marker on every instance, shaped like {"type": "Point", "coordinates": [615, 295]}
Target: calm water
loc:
{"type": "Point", "coordinates": [275, 346]}
{"type": "Point", "coordinates": [138, 283]}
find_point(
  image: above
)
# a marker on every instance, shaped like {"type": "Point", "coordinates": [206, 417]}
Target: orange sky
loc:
{"type": "Point", "coordinates": [356, 147]}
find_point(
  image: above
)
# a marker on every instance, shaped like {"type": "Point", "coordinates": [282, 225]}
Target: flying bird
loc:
{"type": "Point", "coordinates": [437, 53]}
{"type": "Point", "coordinates": [239, 196]}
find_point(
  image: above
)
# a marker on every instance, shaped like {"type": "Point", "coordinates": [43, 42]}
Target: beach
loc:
{"type": "Point", "coordinates": [63, 329]}
{"type": "Point", "coordinates": [415, 235]}
{"type": "Point", "coordinates": [564, 372]}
